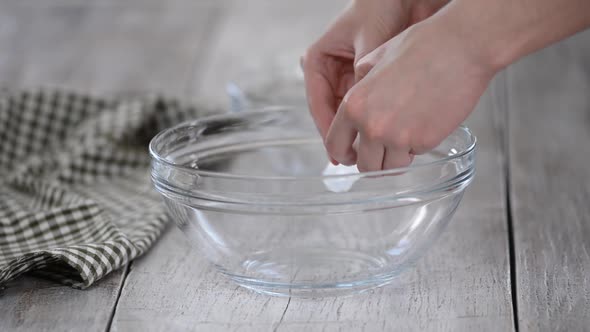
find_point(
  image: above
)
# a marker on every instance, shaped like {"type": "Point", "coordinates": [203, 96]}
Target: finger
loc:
{"type": "Point", "coordinates": [368, 53]}
{"type": "Point", "coordinates": [361, 69]}
{"type": "Point", "coordinates": [395, 158]}
{"type": "Point", "coordinates": [320, 97]}
{"type": "Point", "coordinates": [370, 155]}
{"type": "Point", "coordinates": [340, 138]}
{"type": "Point", "coordinates": [333, 161]}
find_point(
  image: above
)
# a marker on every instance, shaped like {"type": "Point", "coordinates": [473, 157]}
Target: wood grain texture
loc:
{"type": "Point", "coordinates": [102, 47]}
{"type": "Point", "coordinates": [462, 284]}
{"type": "Point", "coordinates": [548, 99]}
{"type": "Point", "coordinates": [258, 41]}
{"type": "Point", "coordinates": [30, 304]}
{"type": "Point", "coordinates": [107, 47]}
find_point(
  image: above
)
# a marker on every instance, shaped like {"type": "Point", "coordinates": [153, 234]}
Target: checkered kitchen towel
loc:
{"type": "Point", "coordinates": [76, 201]}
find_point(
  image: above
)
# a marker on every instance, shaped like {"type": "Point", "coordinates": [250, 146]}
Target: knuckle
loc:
{"type": "Point", "coordinates": [399, 139]}
{"type": "Point", "coordinates": [426, 142]}
{"type": "Point", "coordinates": [375, 131]}
{"type": "Point", "coordinates": [355, 103]}
{"type": "Point", "coordinates": [362, 68]}
{"type": "Point", "coordinates": [310, 54]}
{"type": "Point", "coordinates": [366, 61]}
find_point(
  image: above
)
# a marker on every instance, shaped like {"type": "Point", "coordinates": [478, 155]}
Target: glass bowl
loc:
{"type": "Point", "coordinates": [248, 191]}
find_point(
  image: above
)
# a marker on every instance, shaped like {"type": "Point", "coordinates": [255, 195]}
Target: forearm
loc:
{"type": "Point", "coordinates": [502, 31]}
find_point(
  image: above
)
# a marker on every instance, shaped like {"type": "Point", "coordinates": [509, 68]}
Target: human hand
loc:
{"type": "Point", "coordinates": [413, 91]}
{"type": "Point", "coordinates": [329, 64]}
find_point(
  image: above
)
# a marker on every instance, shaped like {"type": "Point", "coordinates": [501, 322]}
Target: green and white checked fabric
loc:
{"type": "Point", "coordinates": [76, 201]}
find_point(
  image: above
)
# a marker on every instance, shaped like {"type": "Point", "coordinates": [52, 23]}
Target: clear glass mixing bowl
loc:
{"type": "Point", "coordinates": [248, 191]}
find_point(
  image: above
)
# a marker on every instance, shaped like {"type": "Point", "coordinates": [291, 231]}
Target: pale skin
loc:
{"type": "Point", "coordinates": [391, 79]}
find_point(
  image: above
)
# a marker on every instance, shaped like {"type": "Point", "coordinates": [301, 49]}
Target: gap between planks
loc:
{"type": "Point", "coordinates": [500, 91]}
{"type": "Point", "coordinates": [212, 28]}
{"type": "Point", "coordinates": [122, 284]}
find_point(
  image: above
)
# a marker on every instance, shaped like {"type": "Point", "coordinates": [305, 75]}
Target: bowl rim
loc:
{"type": "Point", "coordinates": [225, 175]}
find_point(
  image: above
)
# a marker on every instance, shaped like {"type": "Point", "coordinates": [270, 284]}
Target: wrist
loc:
{"type": "Point", "coordinates": [489, 48]}
{"type": "Point", "coordinates": [503, 31]}
{"type": "Point", "coordinates": [450, 51]}
{"type": "Point", "coordinates": [419, 10]}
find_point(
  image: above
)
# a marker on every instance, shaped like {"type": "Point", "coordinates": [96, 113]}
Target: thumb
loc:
{"type": "Point", "coordinates": [367, 54]}
{"type": "Point", "coordinates": [363, 65]}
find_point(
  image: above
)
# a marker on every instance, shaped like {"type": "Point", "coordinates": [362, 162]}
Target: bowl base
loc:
{"type": "Point", "coordinates": [310, 292]}
{"type": "Point", "coordinates": [313, 272]}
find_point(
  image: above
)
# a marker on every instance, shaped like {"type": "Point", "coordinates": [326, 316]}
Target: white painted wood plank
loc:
{"type": "Point", "coordinates": [30, 304]}
{"type": "Point", "coordinates": [461, 284]}
{"type": "Point", "coordinates": [175, 289]}
{"type": "Point", "coordinates": [100, 48]}
{"type": "Point", "coordinates": [132, 45]}
{"type": "Point", "coordinates": [549, 107]}
{"type": "Point", "coordinates": [261, 39]}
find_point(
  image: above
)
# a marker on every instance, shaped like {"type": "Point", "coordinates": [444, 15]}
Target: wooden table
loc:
{"type": "Point", "coordinates": [516, 255]}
